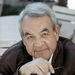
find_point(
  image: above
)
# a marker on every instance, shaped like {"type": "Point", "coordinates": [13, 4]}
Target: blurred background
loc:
{"type": "Point", "coordinates": [13, 7]}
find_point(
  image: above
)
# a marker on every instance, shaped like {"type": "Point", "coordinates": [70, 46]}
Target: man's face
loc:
{"type": "Point", "coordinates": [39, 38]}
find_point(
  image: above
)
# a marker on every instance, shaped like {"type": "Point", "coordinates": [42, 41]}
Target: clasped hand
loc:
{"type": "Point", "coordinates": [38, 66]}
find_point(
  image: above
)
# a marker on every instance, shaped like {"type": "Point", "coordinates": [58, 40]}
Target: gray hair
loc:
{"type": "Point", "coordinates": [37, 9]}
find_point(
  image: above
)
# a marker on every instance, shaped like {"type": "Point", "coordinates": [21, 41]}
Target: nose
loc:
{"type": "Point", "coordinates": [39, 43]}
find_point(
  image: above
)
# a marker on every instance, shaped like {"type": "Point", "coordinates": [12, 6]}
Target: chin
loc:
{"type": "Point", "coordinates": [46, 59]}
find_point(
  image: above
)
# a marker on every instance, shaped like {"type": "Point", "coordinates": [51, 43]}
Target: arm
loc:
{"type": "Point", "coordinates": [10, 62]}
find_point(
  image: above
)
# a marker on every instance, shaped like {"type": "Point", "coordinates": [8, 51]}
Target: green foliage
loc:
{"type": "Point", "coordinates": [59, 23]}
{"type": "Point", "coordinates": [47, 0]}
{"type": "Point", "coordinates": [9, 10]}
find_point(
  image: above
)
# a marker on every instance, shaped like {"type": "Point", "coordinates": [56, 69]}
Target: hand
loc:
{"type": "Point", "coordinates": [39, 66]}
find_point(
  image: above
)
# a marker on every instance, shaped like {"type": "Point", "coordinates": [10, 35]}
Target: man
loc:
{"type": "Point", "coordinates": [41, 51]}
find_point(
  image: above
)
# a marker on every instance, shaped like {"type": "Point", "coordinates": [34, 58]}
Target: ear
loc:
{"type": "Point", "coordinates": [22, 38]}
{"type": "Point", "coordinates": [57, 31]}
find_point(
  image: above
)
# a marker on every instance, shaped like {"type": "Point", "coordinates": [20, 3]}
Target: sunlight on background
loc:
{"type": "Point", "coordinates": [71, 4]}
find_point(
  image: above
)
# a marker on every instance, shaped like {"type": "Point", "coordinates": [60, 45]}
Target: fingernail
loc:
{"type": "Point", "coordinates": [53, 71]}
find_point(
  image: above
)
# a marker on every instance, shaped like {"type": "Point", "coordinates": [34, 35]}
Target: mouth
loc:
{"type": "Point", "coordinates": [41, 50]}
{"type": "Point", "coordinates": [44, 53]}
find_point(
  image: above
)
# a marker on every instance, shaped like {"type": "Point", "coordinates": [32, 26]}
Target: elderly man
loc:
{"type": "Point", "coordinates": [41, 51]}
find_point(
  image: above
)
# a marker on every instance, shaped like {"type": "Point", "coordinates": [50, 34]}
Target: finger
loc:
{"type": "Point", "coordinates": [42, 66]}
{"type": "Point", "coordinates": [50, 67]}
{"type": "Point", "coordinates": [30, 68]}
{"type": "Point", "coordinates": [35, 70]}
{"type": "Point", "coordinates": [38, 71]}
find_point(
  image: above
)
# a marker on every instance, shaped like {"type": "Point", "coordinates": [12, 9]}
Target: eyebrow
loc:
{"type": "Point", "coordinates": [27, 34]}
{"type": "Point", "coordinates": [45, 29]}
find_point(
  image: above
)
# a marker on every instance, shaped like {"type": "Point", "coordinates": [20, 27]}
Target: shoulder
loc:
{"type": "Point", "coordinates": [17, 51]}
{"type": "Point", "coordinates": [69, 50]}
{"type": "Point", "coordinates": [13, 53]}
{"type": "Point", "coordinates": [14, 49]}
{"type": "Point", "coordinates": [13, 57]}
{"type": "Point", "coordinates": [69, 55]}
{"type": "Point", "coordinates": [67, 43]}
{"type": "Point", "coordinates": [9, 58]}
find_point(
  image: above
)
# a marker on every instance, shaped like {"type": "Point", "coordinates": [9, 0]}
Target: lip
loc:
{"type": "Point", "coordinates": [41, 50]}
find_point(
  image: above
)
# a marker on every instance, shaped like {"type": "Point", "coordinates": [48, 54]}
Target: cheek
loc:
{"type": "Point", "coordinates": [29, 48]}
{"type": "Point", "coordinates": [51, 43]}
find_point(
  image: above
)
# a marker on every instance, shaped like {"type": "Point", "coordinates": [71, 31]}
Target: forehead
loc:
{"type": "Point", "coordinates": [36, 24]}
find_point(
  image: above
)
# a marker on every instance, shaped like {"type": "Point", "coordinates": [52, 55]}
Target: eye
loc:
{"type": "Point", "coordinates": [44, 34]}
{"type": "Point", "coordinates": [29, 37]}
